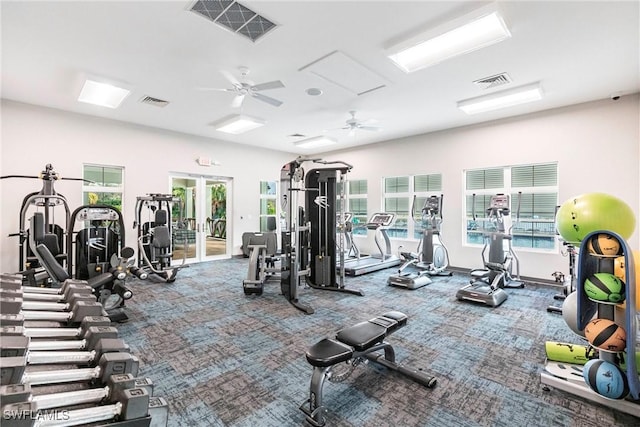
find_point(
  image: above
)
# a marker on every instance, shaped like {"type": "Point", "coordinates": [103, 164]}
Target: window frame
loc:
{"type": "Point", "coordinates": [88, 188]}
{"type": "Point", "coordinates": [517, 221]}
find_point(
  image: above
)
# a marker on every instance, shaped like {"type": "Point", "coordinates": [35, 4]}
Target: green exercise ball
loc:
{"type": "Point", "coordinates": [589, 212]}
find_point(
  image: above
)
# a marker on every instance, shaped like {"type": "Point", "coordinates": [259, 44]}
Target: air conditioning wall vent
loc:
{"type": "Point", "coordinates": [493, 81]}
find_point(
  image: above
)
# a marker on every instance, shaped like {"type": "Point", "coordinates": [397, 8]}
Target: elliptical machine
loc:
{"type": "Point", "coordinates": [487, 284]}
{"type": "Point", "coordinates": [432, 257]}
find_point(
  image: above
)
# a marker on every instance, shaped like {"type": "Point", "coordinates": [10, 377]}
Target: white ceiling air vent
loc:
{"type": "Point", "coordinates": [493, 81]}
{"type": "Point", "coordinates": [154, 101]}
{"type": "Point", "coordinates": [234, 16]}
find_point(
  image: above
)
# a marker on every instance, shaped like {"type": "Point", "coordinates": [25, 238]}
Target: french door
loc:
{"type": "Point", "coordinates": [200, 217]}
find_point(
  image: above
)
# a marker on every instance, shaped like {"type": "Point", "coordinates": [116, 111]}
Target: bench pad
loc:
{"type": "Point", "coordinates": [327, 352]}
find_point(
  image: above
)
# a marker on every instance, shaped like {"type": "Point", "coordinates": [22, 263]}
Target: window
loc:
{"type": "Point", "coordinates": [398, 198]}
{"type": "Point", "coordinates": [268, 200]}
{"type": "Point", "coordinates": [357, 204]}
{"type": "Point", "coordinates": [533, 190]}
{"type": "Point", "coordinates": [103, 185]}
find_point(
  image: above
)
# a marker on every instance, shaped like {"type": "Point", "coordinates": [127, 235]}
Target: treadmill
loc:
{"type": "Point", "coordinates": [378, 223]}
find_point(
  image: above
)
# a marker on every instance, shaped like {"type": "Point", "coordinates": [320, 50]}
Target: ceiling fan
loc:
{"type": "Point", "coordinates": [242, 89]}
{"type": "Point", "coordinates": [354, 124]}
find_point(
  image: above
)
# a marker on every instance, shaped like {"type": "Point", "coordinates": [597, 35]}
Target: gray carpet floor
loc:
{"type": "Point", "coordinates": [221, 358]}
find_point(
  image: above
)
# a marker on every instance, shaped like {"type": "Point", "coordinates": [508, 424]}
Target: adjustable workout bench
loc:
{"type": "Point", "coordinates": [352, 345]}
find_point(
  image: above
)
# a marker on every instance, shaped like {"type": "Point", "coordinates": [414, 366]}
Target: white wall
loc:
{"type": "Point", "coordinates": [596, 146]}
{"type": "Point", "coordinates": [34, 136]}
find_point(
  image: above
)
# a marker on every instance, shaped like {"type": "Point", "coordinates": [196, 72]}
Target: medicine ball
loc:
{"type": "Point", "coordinates": [606, 379]}
{"type": "Point", "coordinates": [606, 335]}
{"type": "Point", "coordinates": [603, 244]}
{"type": "Point", "coordinates": [605, 287]}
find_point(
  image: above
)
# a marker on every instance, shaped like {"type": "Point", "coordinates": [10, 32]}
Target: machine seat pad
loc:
{"type": "Point", "coordinates": [328, 352]}
{"type": "Point", "coordinates": [363, 335]}
{"type": "Point", "coordinates": [398, 317]}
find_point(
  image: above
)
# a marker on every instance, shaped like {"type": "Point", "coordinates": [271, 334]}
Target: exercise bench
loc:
{"type": "Point", "coordinates": [354, 345]}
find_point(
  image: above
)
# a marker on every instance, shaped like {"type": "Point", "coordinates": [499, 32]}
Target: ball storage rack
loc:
{"type": "Point", "coordinates": [568, 377]}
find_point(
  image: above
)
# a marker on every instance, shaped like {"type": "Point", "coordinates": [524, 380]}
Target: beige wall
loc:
{"type": "Point", "coordinates": [595, 144]}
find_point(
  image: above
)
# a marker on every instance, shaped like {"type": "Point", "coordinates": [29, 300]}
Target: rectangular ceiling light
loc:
{"type": "Point", "coordinates": [502, 99]}
{"type": "Point", "coordinates": [316, 141]}
{"type": "Point", "coordinates": [476, 30]}
{"type": "Point", "coordinates": [102, 94]}
{"type": "Point", "coordinates": [238, 124]}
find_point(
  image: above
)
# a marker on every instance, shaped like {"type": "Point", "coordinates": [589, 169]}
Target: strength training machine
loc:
{"type": "Point", "coordinates": [156, 237]}
{"type": "Point", "coordinates": [309, 233]}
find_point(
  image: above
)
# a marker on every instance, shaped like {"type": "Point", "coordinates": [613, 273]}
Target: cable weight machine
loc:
{"type": "Point", "coordinates": [309, 234]}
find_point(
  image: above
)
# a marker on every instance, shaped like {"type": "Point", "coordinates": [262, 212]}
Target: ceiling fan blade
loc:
{"type": "Point", "coordinates": [371, 128]}
{"type": "Point", "coordinates": [230, 77]}
{"type": "Point", "coordinates": [276, 84]}
{"type": "Point", "coordinates": [237, 101]}
{"type": "Point", "coordinates": [217, 89]}
{"type": "Point", "coordinates": [267, 99]}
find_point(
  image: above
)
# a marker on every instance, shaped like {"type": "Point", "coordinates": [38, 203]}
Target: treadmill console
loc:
{"type": "Point", "coordinates": [380, 219]}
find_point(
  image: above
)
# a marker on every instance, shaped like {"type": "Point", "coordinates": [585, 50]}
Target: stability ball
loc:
{"type": "Point", "coordinates": [586, 213]}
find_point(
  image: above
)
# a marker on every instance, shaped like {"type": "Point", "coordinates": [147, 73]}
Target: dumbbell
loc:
{"type": "Point", "coordinates": [133, 405]}
{"type": "Point", "coordinates": [13, 303]}
{"type": "Point", "coordinates": [18, 346]}
{"type": "Point", "coordinates": [47, 294]}
{"type": "Point", "coordinates": [13, 370]}
{"type": "Point", "coordinates": [109, 393]}
{"type": "Point", "coordinates": [15, 326]}
{"type": "Point", "coordinates": [89, 340]}
{"type": "Point", "coordinates": [79, 311]}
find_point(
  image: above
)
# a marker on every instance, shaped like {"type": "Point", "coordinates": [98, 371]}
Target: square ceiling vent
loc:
{"type": "Point", "coordinates": [235, 17]}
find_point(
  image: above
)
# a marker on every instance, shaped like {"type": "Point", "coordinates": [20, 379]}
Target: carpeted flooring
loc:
{"type": "Point", "coordinates": [221, 358]}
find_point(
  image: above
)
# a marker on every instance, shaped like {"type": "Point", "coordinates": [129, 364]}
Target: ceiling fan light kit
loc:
{"type": "Point", "coordinates": [468, 33]}
{"type": "Point", "coordinates": [238, 124]}
{"type": "Point", "coordinates": [506, 98]}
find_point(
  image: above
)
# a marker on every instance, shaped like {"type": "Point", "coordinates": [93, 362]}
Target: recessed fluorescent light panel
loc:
{"type": "Point", "coordinates": [476, 30]}
{"type": "Point", "coordinates": [102, 94]}
{"type": "Point", "coordinates": [317, 141]}
{"type": "Point", "coordinates": [502, 99]}
{"type": "Point", "coordinates": [238, 124]}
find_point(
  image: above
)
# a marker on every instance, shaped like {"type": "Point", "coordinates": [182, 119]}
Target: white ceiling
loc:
{"type": "Point", "coordinates": [579, 51]}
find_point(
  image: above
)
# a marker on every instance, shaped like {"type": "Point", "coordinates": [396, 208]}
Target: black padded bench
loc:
{"type": "Point", "coordinates": [354, 344]}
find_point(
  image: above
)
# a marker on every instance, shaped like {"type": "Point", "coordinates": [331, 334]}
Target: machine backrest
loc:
{"type": "Point", "coordinates": [48, 261]}
{"type": "Point", "coordinates": [161, 234]}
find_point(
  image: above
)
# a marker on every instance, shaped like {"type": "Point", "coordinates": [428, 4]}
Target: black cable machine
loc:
{"type": "Point", "coordinates": [98, 247]}
{"type": "Point", "coordinates": [48, 201]}
{"type": "Point", "coordinates": [309, 243]}
{"type": "Point", "coordinates": [156, 236]}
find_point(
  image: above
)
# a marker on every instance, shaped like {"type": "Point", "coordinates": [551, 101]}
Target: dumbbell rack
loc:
{"type": "Point", "coordinates": [81, 371]}
{"type": "Point", "coordinates": [590, 264]}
